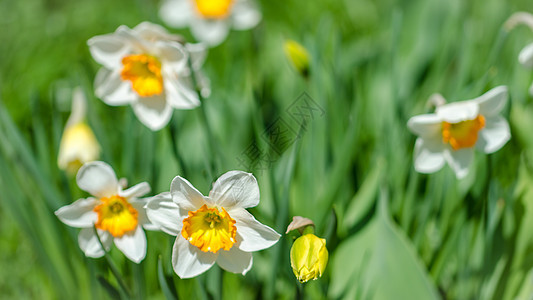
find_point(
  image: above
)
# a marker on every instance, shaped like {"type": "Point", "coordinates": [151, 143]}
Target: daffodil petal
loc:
{"type": "Point", "coordinates": [173, 55]}
{"type": "Point", "coordinates": [137, 190]}
{"type": "Point", "coordinates": [133, 244]}
{"type": "Point", "coordinates": [428, 155]}
{"type": "Point", "coordinates": [492, 102]}
{"type": "Point", "coordinates": [165, 214]}
{"type": "Point", "coordinates": [177, 13]}
{"type": "Point", "coordinates": [526, 56]}
{"type": "Point", "coordinates": [109, 87]}
{"type": "Point", "coordinates": [459, 160]}
{"type": "Point", "coordinates": [189, 261]}
{"type": "Point", "coordinates": [235, 261]}
{"type": "Point", "coordinates": [90, 245]}
{"type": "Point", "coordinates": [495, 134]}
{"type": "Point", "coordinates": [197, 53]}
{"type": "Point", "coordinates": [458, 111]}
{"type": "Point", "coordinates": [179, 95]}
{"type": "Point", "coordinates": [251, 234]}
{"type": "Point", "coordinates": [98, 179]}
{"type": "Point", "coordinates": [185, 195]}
{"type": "Point", "coordinates": [139, 205]}
{"type": "Point", "coordinates": [79, 214]}
{"type": "Point", "coordinates": [211, 32]}
{"type": "Point", "coordinates": [151, 31]}
{"type": "Point", "coordinates": [154, 112]}
{"type": "Point", "coordinates": [235, 189]}
{"type": "Point", "coordinates": [245, 15]}
{"type": "Point", "coordinates": [428, 125]}
{"type": "Point", "coordinates": [108, 49]}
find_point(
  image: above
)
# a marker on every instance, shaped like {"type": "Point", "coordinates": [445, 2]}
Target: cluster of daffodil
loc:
{"type": "Point", "coordinates": [208, 229]}
{"type": "Point", "coordinates": [155, 72]}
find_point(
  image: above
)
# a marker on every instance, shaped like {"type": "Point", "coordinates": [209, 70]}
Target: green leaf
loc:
{"type": "Point", "coordinates": [379, 263]}
{"type": "Point", "coordinates": [168, 291]}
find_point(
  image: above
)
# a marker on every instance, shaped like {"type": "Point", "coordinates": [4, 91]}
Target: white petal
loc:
{"type": "Point", "coordinates": [179, 95]}
{"type": "Point", "coordinates": [428, 125]}
{"type": "Point", "coordinates": [142, 217]}
{"type": "Point", "coordinates": [428, 155]}
{"type": "Point", "coordinates": [235, 261]}
{"type": "Point", "coordinates": [235, 189]}
{"type": "Point", "coordinates": [153, 32]}
{"type": "Point", "coordinates": [526, 56]}
{"type": "Point", "coordinates": [89, 242]}
{"type": "Point", "coordinates": [165, 214]}
{"type": "Point", "coordinates": [494, 135]}
{"type": "Point", "coordinates": [492, 102]}
{"type": "Point", "coordinates": [109, 49]}
{"type": "Point", "coordinates": [197, 53]}
{"type": "Point", "coordinates": [189, 261]}
{"type": "Point", "coordinates": [173, 56]}
{"type": "Point", "coordinates": [135, 191]}
{"type": "Point", "coordinates": [245, 15]}
{"type": "Point", "coordinates": [154, 112]}
{"type": "Point", "coordinates": [458, 111]}
{"type": "Point", "coordinates": [97, 178]}
{"type": "Point", "coordinates": [133, 244]}
{"type": "Point", "coordinates": [211, 32]}
{"type": "Point", "coordinates": [459, 160]}
{"type": "Point", "coordinates": [185, 195]}
{"type": "Point", "coordinates": [79, 214]}
{"type": "Point", "coordinates": [176, 13]}
{"type": "Point", "coordinates": [251, 234]}
{"type": "Point", "coordinates": [109, 87]}
{"type": "Point", "coordinates": [531, 90]}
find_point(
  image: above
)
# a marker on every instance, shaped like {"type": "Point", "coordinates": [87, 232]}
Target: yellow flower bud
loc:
{"type": "Point", "coordinates": [309, 257]}
{"type": "Point", "coordinates": [78, 143]}
{"type": "Point", "coordinates": [298, 56]}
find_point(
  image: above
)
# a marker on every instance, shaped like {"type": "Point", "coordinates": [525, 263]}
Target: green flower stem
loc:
{"type": "Point", "coordinates": [173, 138]}
{"type": "Point", "coordinates": [203, 115]}
{"type": "Point", "coordinates": [112, 266]}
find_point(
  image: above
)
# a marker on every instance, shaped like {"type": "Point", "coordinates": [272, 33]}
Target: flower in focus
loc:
{"type": "Point", "coordinates": [118, 215]}
{"type": "Point", "coordinates": [217, 228]}
{"type": "Point", "coordinates": [210, 20]}
{"type": "Point", "coordinates": [78, 143]}
{"type": "Point", "coordinates": [309, 257]}
{"type": "Point", "coordinates": [526, 55]}
{"type": "Point", "coordinates": [146, 67]}
{"type": "Point", "coordinates": [298, 56]}
{"type": "Point", "coordinates": [451, 133]}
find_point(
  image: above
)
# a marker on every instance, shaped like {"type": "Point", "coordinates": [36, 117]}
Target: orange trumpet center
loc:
{"type": "Point", "coordinates": [144, 72]}
{"type": "Point", "coordinates": [209, 229]}
{"type": "Point", "coordinates": [116, 216]}
{"type": "Point", "coordinates": [462, 134]}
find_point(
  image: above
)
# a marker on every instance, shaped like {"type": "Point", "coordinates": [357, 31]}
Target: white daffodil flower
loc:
{"type": "Point", "coordinates": [455, 129]}
{"type": "Point", "coordinates": [78, 143]}
{"type": "Point", "coordinates": [118, 215]}
{"type": "Point", "coordinates": [210, 20]}
{"type": "Point", "coordinates": [146, 67]}
{"type": "Point", "coordinates": [217, 228]}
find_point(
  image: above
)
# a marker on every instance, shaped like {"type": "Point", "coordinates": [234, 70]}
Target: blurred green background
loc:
{"type": "Point", "coordinates": [391, 233]}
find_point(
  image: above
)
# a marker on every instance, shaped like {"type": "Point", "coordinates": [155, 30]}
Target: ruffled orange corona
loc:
{"type": "Point", "coordinates": [116, 216]}
{"type": "Point", "coordinates": [144, 72]}
{"type": "Point", "coordinates": [462, 134]}
{"type": "Point", "coordinates": [209, 229]}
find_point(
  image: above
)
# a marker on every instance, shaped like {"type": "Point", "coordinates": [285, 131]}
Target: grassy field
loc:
{"type": "Point", "coordinates": [391, 232]}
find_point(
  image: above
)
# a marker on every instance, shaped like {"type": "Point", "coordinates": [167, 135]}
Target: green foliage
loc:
{"type": "Point", "coordinates": [373, 64]}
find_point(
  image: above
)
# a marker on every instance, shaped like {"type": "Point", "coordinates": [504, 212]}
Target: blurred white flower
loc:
{"type": "Point", "coordinates": [78, 143]}
{"type": "Point", "coordinates": [212, 229]}
{"type": "Point", "coordinates": [451, 133]}
{"type": "Point", "coordinates": [118, 215]}
{"type": "Point", "coordinates": [526, 55]}
{"type": "Point", "coordinates": [210, 20]}
{"type": "Point", "coordinates": [146, 67]}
